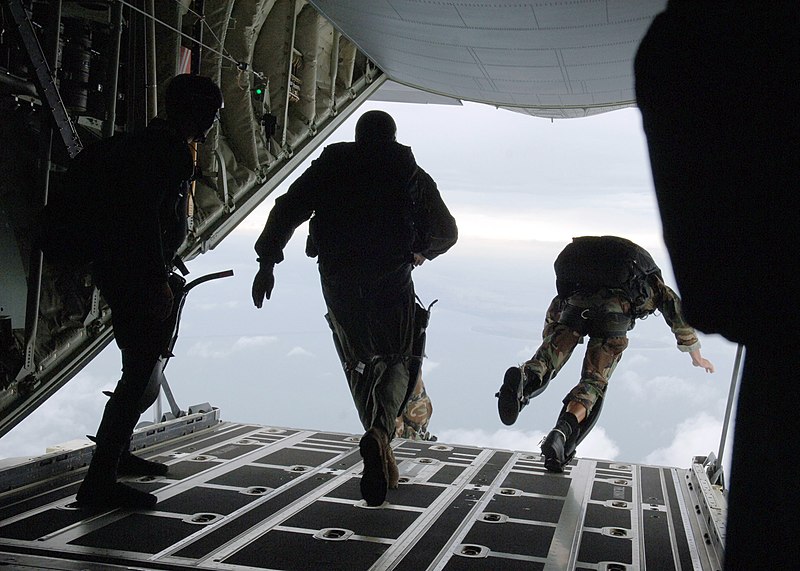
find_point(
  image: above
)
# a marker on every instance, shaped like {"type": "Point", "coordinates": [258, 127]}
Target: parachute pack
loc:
{"type": "Point", "coordinates": [67, 227]}
{"type": "Point", "coordinates": [591, 263]}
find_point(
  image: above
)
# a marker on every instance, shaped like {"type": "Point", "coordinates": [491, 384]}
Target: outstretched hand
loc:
{"type": "Point", "coordinates": [699, 361]}
{"type": "Point", "coordinates": [262, 285]}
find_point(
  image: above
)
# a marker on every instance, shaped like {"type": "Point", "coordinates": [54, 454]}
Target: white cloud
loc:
{"type": "Point", "coordinates": [255, 341]}
{"type": "Point", "coordinates": [596, 445]}
{"type": "Point", "coordinates": [697, 391]}
{"type": "Point", "coordinates": [697, 435]}
{"type": "Point", "coordinates": [429, 366]}
{"type": "Point", "coordinates": [300, 352]}
{"type": "Point", "coordinates": [503, 438]}
{"type": "Point", "coordinates": [70, 414]}
{"type": "Point", "coordinates": [212, 305]}
{"type": "Point", "coordinates": [213, 349]}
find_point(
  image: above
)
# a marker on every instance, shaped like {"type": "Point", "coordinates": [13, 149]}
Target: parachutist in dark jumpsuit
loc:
{"type": "Point", "coordinates": [374, 216]}
{"type": "Point", "coordinates": [141, 222]}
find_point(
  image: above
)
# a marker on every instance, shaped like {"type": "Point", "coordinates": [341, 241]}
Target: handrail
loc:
{"type": "Point", "coordinates": [716, 467]}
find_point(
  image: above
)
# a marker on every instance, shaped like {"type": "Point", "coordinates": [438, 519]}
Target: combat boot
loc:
{"type": "Point", "coordinates": [132, 465]}
{"type": "Point", "coordinates": [100, 490]}
{"type": "Point", "coordinates": [375, 478]}
{"type": "Point", "coordinates": [554, 444]}
{"type": "Point", "coordinates": [510, 400]}
{"type": "Point", "coordinates": [520, 385]}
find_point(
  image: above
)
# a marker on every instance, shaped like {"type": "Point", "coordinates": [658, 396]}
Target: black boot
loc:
{"type": "Point", "coordinates": [510, 400]}
{"type": "Point", "coordinates": [375, 478]}
{"type": "Point", "coordinates": [100, 490]}
{"type": "Point", "coordinates": [132, 465]}
{"type": "Point", "coordinates": [519, 387]}
{"type": "Point", "coordinates": [555, 442]}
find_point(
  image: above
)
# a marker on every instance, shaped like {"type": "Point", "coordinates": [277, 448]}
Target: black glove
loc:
{"type": "Point", "coordinates": [263, 284]}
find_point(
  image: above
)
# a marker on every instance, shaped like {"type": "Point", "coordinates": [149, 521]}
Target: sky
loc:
{"type": "Point", "coordinates": [520, 188]}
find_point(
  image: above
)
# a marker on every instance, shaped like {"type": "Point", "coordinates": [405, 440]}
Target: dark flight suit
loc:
{"type": "Point", "coordinates": [372, 208]}
{"type": "Point", "coordinates": [141, 223]}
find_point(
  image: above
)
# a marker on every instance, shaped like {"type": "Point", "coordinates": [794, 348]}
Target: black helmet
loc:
{"type": "Point", "coordinates": [193, 100]}
{"type": "Point", "coordinates": [187, 91]}
{"type": "Point", "coordinates": [375, 126]}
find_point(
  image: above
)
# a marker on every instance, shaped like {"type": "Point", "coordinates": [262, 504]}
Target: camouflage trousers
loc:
{"type": "Point", "coordinates": [413, 421]}
{"type": "Point", "coordinates": [560, 339]}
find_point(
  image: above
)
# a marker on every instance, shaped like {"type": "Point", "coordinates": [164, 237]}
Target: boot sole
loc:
{"type": "Point", "coordinates": [507, 401]}
{"type": "Point", "coordinates": [115, 496]}
{"type": "Point", "coordinates": [551, 461]}
{"type": "Point", "coordinates": [553, 465]}
{"type": "Point", "coordinates": [373, 480]}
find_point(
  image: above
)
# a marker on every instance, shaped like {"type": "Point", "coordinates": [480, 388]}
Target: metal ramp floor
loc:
{"type": "Point", "coordinates": [242, 496]}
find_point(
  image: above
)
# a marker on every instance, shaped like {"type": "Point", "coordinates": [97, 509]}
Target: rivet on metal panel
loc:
{"type": "Point", "coordinates": [469, 550]}
{"type": "Point", "coordinates": [615, 532]}
{"type": "Point", "coordinates": [333, 534]}
{"type": "Point", "coordinates": [491, 517]}
{"type": "Point", "coordinates": [203, 518]}
{"type": "Point", "coordinates": [256, 491]}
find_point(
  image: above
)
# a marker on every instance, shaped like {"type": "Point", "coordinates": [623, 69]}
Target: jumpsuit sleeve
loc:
{"type": "Point", "coordinates": [436, 227]}
{"type": "Point", "coordinates": [669, 304]}
{"type": "Point", "coordinates": [289, 212]}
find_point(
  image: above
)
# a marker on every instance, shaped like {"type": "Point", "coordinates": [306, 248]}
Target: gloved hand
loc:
{"type": "Point", "coordinates": [263, 284]}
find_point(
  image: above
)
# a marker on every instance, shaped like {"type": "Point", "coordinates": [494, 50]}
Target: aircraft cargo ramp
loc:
{"type": "Point", "coordinates": [243, 496]}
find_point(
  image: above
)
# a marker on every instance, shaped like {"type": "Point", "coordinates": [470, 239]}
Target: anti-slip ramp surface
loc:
{"type": "Point", "coordinates": [242, 496]}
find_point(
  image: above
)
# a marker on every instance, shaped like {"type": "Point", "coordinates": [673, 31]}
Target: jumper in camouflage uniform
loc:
{"type": "Point", "coordinates": [588, 304]}
{"type": "Point", "coordinates": [569, 320]}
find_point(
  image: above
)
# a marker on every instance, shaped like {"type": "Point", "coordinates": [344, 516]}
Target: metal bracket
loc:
{"type": "Point", "coordinates": [48, 91]}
